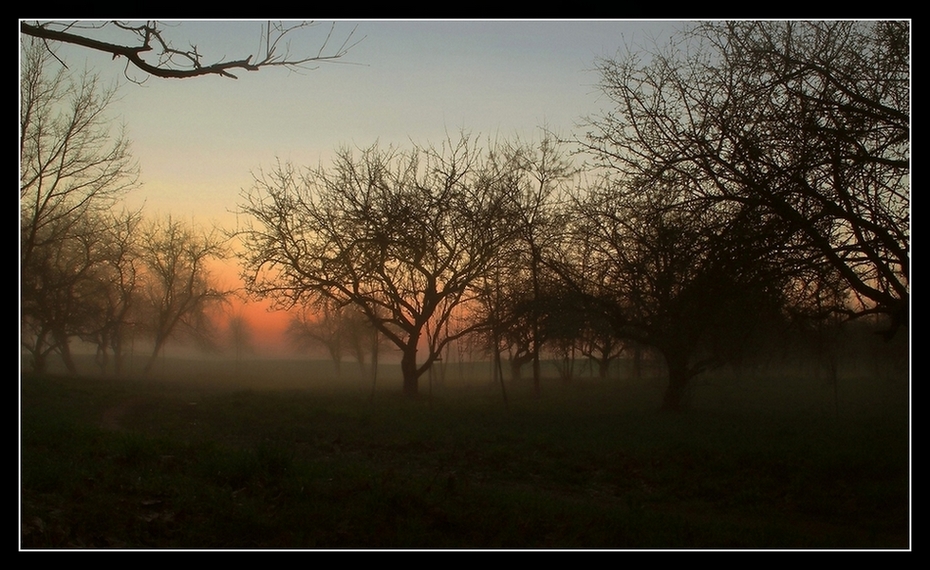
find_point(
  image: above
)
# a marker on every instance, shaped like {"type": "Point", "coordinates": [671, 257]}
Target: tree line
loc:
{"type": "Point", "coordinates": [88, 269]}
{"type": "Point", "coordinates": [748, 173]}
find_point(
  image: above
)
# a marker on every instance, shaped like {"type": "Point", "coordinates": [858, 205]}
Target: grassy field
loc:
{"type": "Point", "coordinates": [224, 460]}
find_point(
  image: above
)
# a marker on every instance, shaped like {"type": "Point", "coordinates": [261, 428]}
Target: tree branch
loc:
{"type": "Point", "coordinates": [150, 33]}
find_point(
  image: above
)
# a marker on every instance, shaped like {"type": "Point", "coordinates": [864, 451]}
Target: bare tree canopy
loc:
{"type": "Point", "coordinates": [72, 161]}
{"type": "Point", "coordinates": [179, 288]}
{"type": "Point", "coordinates": [809, 121]}
{"type": "Point", "coordinates": [145, 46]}
{"type": "Point", "coordinates": [690, 282]}
{"type": "Point", "coordinates": [401, 236]}
{"type": "Point", "coordinates": [74, 166]}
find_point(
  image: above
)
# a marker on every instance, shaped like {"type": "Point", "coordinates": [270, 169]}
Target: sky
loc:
{"type": "Point", "coordinates": [199, 141]}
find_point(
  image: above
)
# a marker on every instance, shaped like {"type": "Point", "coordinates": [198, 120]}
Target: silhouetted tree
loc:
{"type": "Point", "coordinates": [595, 333]}
{"type": "Point", "coordinates": [677, 278]}
{"type": "Point", "coordinates": [73, 168]}
{"type": "Point", "coordinates": [806, 121]}
{"type": "Point", "coordinates": [239, 335]}
{"type": "Point", "coordinates": [146, 47]}
{"type": "Point", "coordinates": [537, 174]}
{"type": "Point", "coordinates": [117, 289]}
{"type": "Point", "coordinates": [599, 342]}
{"type": "Point", "coordinates": [505, 297]}
{"type": "Point", "coordinates": [60, 293]}
{"type": "Point", "coordinates": [179, 289]}
{"type": "Point", "coordinates": [339, 329]}
{"type": "Point", "coordinates": [401, 236]}
{"type": "Point", "coordinates": [562, 324]}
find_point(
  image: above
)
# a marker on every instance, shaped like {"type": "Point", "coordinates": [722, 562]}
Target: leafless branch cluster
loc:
{"type": "Point", "coordinates": [752, 174]}
{"type": "Point", "coordinates": [403, 237]}
{"type": "Point", "coordinates": [149, 41]}
{"type": "Point", "coordinates": [88, 269]}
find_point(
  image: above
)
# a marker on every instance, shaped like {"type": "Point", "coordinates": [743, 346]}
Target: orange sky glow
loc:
{"type": "Point", "coordinates": [199, 141]}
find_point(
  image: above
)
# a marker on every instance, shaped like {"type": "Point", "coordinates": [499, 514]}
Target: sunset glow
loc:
{"type": "Point", "coordinates": [465, 284]}
{"type": "Point", "coordinates": [200, 141]}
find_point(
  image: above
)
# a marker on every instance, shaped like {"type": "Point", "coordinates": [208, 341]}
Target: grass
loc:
{"type": "Point", "coordinates": [145, 464]}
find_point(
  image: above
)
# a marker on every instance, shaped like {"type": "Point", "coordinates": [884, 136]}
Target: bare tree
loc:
{"type": "Point", "coordinates": [339, 329]}
{"type": "Point", "coordinates": [60, 293]}
{"type": "Point", "coordinates": [73, 168]}
{"type": "Point", "coordinates": [72, 163]}
{"type": "Point", "coordinates": [599, 342]}
{"type": "Point", "coordinates": [86, 286]}
{"type": "Point", "coordinates": [809, 121]}
{"type": "Point", "coordinates": [678, 278]}
{"type": "Point", "coordinates": [239, 335]}
{"type": "Point", "coordinates": [179, 287]}
{"type": "Point", "coordinates": [401, 236]}
{"type": "Point", "coordinates": [117, 288]}
{"type": "Point", "coordinates": [146, 47]}
{"type": "Point", "coordinates": [505, 298]}
{"type": "Point", "coordinates": [545, 170]}
{"type": "Point", "coordinates": [537, 175]}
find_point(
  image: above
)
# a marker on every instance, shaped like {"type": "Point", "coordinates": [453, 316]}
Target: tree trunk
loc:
{"type": "Point", "coordinates": [516, 370]}
{"type": "Point", "coordinates": [537, 391]}
{"type": "Point", "coordinates": [374, 364]}
{"type": "Point", "coordinates": [499, 372]}
{"type": "Point", "coordinates": [64, 349]}
{"type": "Point", "coordinates": [408, 366]}
{"type": "Point", "coordinates": [159, 344]}
{"type": "Point", "coordinates": [39, 353]}
{"type": "Point", "coordinates": [39, 362]}
{"type": "Point", "coordinates": [337, 363]}
{"type": "Point", "coordinates": [637, 362]}
{"type": "Point", "coordinates": [118, 358]}
{"type": "Point", "coordinates": [102, 358]}
{"type": "Point", "coordinates": [516, 366]}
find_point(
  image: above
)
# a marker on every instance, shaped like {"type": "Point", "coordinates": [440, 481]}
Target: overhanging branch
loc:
{"type": "Point", "coordinates": [150, 32]}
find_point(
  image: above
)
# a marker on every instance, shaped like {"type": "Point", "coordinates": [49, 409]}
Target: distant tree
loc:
{"type": "Point", "coordinates": [402, 237]}
{"type": "Point", "coordinates": [179, 289]}
{"type": "Point", "coordinates": [60, 294]}
{"type": "Point", "coordinates": [239, 335]}
{"type": "Point", "coordinates": [507, 311]}
{"type": "Point", "coordinates": [338, 329]}
{"type": "Point", "coordinates": [537, 175]}
{"type": "Point", "coordinates": [118, 283]}
{"type": "Point", "coordinates": [562, 328]}
{"type": "Point", "coordinates": [146, 47]}
{"type": "Point", "coordinates": [87, 287]}
{"type": "Point", "coordinates": [599, 342]}
{"type": "Point", "coordinates": [806, 121]}
{"type": "Point", "coordinates": [592, 332]}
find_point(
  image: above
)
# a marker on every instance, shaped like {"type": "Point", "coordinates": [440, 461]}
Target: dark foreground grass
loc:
{"type": "Point", "coordinates": [140, 464]}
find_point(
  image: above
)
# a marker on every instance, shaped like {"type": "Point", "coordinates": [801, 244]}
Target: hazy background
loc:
{"type": "Point", "coordinates": [198, 140]}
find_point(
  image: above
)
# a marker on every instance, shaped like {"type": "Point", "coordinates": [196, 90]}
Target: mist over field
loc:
{"type": "Point", "coordinates": [272, 453]}
{"type": "Point", "coordinates": [464, 284]}
{"type": "Point", "coordinates": [861, 374]}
